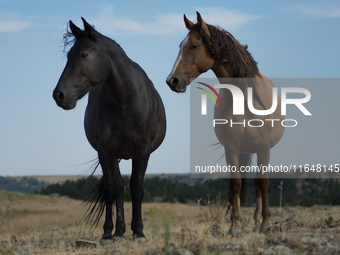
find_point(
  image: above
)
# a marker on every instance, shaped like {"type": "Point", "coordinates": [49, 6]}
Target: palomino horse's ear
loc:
{"type": "Point", "coordinates": [76, 31]}
{"type": "Point", "coordinates": [202, 24]}
{"type": "Point", "coordinates": [88, 28]}
{"type": "Point", "coordinates": [188, 23]}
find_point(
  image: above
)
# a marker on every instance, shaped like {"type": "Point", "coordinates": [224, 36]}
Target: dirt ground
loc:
{"type": "Point", "coordinates": [35, 224]}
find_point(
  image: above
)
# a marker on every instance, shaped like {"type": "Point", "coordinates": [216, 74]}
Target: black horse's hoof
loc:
{"type": "Point", "coordinates": [116, 239]}
{"type": "Point", "coordinates": [104, 242]}
{"type": "Point", "coordinates": [141, 240]}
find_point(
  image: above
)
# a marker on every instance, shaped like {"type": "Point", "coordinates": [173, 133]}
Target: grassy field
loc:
{"type": "Point", "coordinates": [35, 224]}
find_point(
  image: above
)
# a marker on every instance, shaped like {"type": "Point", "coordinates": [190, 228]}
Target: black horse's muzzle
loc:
{"type": "Point", "coordinates": [62, 101]}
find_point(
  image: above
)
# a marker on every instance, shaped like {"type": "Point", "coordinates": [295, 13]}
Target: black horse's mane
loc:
{"type": "Point", "coordinates": [226, 49]}
{"type": "Point", "coordinates": [70, 39]}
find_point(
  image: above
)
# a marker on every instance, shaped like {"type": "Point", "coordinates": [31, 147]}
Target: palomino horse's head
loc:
{"type": "Point", "coordinates": [193, 58]}
{"type": "Point", "coordinates": [87, 66]}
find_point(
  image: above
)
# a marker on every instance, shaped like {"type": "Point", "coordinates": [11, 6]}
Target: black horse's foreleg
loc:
{"type": "Point", "coordinates": [113, 193]}
{"type": "Point", "coordinates": [139, 165]}
{"type": "Point", "coordinates": [119, 196]}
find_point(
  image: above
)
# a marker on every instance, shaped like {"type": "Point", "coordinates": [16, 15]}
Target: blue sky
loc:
{"type": "Point", "coordinates": [288, 39]}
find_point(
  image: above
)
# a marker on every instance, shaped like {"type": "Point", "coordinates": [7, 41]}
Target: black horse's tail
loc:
{"type": "Point", "coordinates": [95, 201]}
{"type": "Point", "coordinates": [244, 160]}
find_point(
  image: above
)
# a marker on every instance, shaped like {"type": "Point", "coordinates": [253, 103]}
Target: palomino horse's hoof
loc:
{"type": "Point", "coordinates": [104, 242]}
{"type": "Point", "coordinates": [235, 231]}
{"type": "Point", "coordinates": [257, 229]}
{"type": "Point", "coordinates": [275, 228]}
{"type": "Point", "coordinates": [265, 229]}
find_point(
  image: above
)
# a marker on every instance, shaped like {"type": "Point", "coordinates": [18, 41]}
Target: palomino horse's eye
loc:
{"type": "Point", "coordinates": [84, 55]}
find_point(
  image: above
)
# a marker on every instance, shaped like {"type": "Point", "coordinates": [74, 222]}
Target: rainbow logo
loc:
{"type": "Point", "coordinates": [204, 97]}
{"type": "Point", "coordinates": [209, 93]}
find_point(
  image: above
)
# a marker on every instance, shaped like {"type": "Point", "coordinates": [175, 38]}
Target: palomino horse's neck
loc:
{"type": "Point", "coordinates": [223, 71]}
{"type": "Point", "coordinates": [225, 76]}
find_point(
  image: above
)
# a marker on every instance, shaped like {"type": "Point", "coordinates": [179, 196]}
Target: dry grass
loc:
{"type": "Point", "coordinates": [213, 211]}
{"type": "Point", "coordinates": [48, 225]}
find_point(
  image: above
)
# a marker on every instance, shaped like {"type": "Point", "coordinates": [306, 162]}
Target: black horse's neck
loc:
{"type": "Point", "coordinates": [121, 82]}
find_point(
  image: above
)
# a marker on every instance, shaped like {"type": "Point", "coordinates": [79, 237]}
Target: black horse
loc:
{"type": "Point", "coordinates": [124, 119]}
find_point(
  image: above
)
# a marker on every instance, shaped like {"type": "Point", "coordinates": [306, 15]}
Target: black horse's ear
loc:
{"type": "Point", "coordinates": [188, 23]}
{"type": "Point", "coordinates": [76, 31]}
{"type": "Point", "coordinates": [202, 24]}
{"type": "Point", "coordinates": [89, 29]}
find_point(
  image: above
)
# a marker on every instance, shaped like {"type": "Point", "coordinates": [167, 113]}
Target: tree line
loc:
{"type": "Point", "coordinates": [304, 192]}
{"type": "Point", "coordinates": [21, 184]}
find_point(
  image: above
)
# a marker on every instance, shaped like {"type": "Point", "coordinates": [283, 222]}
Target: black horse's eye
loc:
{"type": "Point", "coordinates": [84, 55]}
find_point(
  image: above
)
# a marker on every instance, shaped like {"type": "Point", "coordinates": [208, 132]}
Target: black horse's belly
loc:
{"type": "Point", "coordinates": [110, 132]}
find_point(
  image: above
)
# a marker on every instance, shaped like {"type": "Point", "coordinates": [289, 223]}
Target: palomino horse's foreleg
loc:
{"type": "Point", "coordinates": [235, 187]}
{"type": "Point", "coordinates": [258, 209]}
{"type": "Point", "coordinates": [262, 187]}
{"type": "Point", "coordinates": [139, 165]}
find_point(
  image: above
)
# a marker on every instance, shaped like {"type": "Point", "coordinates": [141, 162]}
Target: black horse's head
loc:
{"type": "Point", "coordinates": [87, 66]}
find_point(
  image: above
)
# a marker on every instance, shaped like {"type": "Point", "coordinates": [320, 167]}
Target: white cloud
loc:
{"type": "Point", "coordinates": [227, 19]}
{"type": "Point", "coordinates": [109, 22]}
{"type": "Point", "coordinates": [324, 11]}
{"type": "Point", "coordinates": [12, 22]}
{"type": "Point", "coordinates": [14, 25]}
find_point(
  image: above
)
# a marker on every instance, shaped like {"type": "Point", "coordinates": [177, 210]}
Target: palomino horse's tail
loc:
{"type": "Point", "coordinates": [244, 160]}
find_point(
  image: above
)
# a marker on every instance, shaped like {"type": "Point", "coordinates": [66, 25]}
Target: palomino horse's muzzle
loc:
{"type": "Point", "coordinates": [176, 84]}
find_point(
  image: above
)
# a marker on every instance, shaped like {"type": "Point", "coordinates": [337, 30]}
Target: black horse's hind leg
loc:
{"type": "Point", "coordinates": [139, 165]}
{"type": "Point", "coordinates": [113, 193]}
{"type": "Point", "coordinates": [109, 201]}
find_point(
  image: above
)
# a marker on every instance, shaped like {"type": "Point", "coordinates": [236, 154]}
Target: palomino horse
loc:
{"type": "Point", "coordinates": [208, 47]}
{"type": "Point", "coordinates": [124, 119]}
